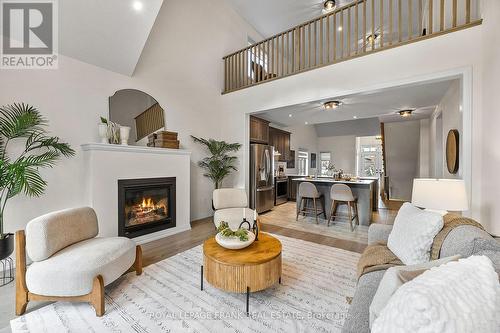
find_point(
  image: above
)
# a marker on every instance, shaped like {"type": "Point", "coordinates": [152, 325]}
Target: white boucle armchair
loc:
{"type": "Point", "coordinates": [69, 262]}
{"type": "Point", "coordinates": [230, 204]}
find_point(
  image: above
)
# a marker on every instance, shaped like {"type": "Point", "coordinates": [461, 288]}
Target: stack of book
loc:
{"type": "Point", "coordinates": [163, 139]}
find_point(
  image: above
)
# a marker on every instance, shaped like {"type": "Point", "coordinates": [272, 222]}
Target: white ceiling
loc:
{"type": "Point", "coordinates": [270, 17]}
{"type": "Point", "coordinates": [381, 104]}
{"type": "Point", "coordinates": [107, 33]}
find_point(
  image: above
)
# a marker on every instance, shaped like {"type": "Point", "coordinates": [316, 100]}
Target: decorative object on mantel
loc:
{"type": "Point", "coordinates": [113, 131]}
{"type": "Point", "coordinates": [124, 135]}
{"type": "Point", "coordinates": [233, 240]}
{"type": "Point", "coordinates": [103, 132]}
{"type": "Point", "coordinates": [452, 151]}
{"type": "Point", "coordinates": [22, 173]}
{"type": "Point", "coordinates": [219, 165]}
{"type": "Point", "coordinates": [163, 139]}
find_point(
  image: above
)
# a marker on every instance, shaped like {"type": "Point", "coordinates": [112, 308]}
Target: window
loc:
{"type": "Point", "coordinates": [325, 160]}
{"type": "Point", "coordinates": [302, 161]}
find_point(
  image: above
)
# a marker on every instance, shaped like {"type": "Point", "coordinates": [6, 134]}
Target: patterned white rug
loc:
{"type": "Point", "coordinates": [167, 298]}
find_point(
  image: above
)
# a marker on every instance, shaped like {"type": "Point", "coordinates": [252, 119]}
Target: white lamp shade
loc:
{"type": "Point", "coordinates": [440, 194]}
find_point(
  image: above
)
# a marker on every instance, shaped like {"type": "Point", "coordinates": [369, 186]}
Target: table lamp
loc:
{"type": "Point", "coordinates": [440, 195]}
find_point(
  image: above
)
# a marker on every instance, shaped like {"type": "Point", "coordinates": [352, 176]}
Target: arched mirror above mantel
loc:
{"type": "Point", "coordinates": [137, 110]}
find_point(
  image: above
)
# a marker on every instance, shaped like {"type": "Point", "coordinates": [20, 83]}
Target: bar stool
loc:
{"type": "Point", "coordinates": [307, 192]}
{"type": "Point", "coordinates": [341, 194]}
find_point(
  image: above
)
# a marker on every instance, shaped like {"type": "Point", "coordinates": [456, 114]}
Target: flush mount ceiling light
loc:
{"type": "Point", "coordinates": [329, 5]}
{"type": "Point", "coordinates": [405, 113]}
{"type": "Point", "coordinates": [137, 5]}
{"type": "Point", "coordinates": [330, 105]}
{"type": "Point", "coordinates": [372, 38]}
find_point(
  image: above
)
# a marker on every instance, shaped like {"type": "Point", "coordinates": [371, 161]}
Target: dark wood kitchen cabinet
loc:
{"type": "Point", "coordinates": [281, 141]}
{"type": "Point", "coordinates": [259, 130]}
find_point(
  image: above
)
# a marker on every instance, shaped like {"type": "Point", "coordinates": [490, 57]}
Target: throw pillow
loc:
{"type": "Point", "coordinates": [413, 233]}
{"type": "Point", "coordinates": [460, 296]}
{"type": "Point", "coordinates": [489, 248]}
{"type": "Point", "coordinates": [393, 279]}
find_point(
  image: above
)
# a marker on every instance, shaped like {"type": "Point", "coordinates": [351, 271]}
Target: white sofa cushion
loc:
{"type": "Point", "coordinates": [52, 232]}
{"type": "Point", "coordinates": [229, 198]}
{"type": "Point", "coordinates": [391, 281]}
{"type": "Point", "coordinates": [460, 296]}
{"type": "Point", "coordinates": [71, 271]}
{"type": "Point", "coordinates": [233, 217]}
{"type": "Point", "coordinates": [413, 233]}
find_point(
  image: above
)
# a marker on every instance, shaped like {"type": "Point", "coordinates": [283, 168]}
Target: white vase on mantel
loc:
{"type": "Point", "coordinates": [124, 135]}
{"type": "Point", "coordinates": [103, 132]}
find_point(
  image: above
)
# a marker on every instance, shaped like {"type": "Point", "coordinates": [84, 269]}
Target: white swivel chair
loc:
{"type": "Point", "coordinates": [341, 194]}
{"type": "Point", "coordinates": [231, 204]}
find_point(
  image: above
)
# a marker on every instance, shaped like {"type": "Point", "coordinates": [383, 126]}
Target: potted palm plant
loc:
{"type": "Point", "coordinates": [219, 164]}
{"type": "Point", "coordinates": [20, 173]}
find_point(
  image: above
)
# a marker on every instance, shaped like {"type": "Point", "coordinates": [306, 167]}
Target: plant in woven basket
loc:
{"type": "Point", "coordinates": [21, 173]}
{"type": "Point", "coordinates": [219, 164]}
{"type": "Point", "coordinates": [225, 231]}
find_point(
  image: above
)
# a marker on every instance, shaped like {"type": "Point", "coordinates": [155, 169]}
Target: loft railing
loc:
{"type": "Point", "coordinates": [360, 28]}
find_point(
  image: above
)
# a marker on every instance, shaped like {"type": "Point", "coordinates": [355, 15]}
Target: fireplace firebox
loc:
{"type": "Point", "coordinates": [145, 206]}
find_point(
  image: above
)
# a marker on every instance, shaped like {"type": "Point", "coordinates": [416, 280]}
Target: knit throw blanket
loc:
{"type": "Point", "coordinates": [378, 257]}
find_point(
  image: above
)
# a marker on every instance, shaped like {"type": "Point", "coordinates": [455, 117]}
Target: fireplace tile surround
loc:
{"type": "Point", "coordinates": [108, 165]}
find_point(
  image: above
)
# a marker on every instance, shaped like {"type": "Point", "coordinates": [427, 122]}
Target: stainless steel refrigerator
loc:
{"type": "Point", "coordinates": [261, 177]}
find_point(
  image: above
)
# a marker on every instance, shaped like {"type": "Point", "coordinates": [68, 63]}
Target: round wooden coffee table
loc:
{"type": "Point", "coordinates": [251, 269]}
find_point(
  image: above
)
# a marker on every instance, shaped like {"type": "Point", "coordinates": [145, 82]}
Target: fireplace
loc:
{"type": "Point", "coordinates": [145, 206]}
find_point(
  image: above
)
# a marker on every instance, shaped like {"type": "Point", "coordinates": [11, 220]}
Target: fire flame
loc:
{"type": "Point", "coordinates": [147, 203]}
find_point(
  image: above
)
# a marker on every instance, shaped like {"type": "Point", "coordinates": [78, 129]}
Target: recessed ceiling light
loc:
{"type": "Point", "coordinates": [329, 5]}
{"type": "Point", "coordinates": [331, 105]}
{"type": "Point", "coordinates": [405, 113]}
{"type": "Point", "coordinates": [355, 117]}
{"type": "Point", "coordinates": [306, 123]}
{"type": "Point", "coordinates": [137, 5]}
{"type": "Point", "coordinates": [339, 28]}
{"type": "Point", "coordinates": [290, 115]}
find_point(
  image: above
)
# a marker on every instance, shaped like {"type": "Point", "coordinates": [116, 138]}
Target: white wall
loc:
{"type": "Point", "coordinates": [181, 67]}
{"type": "Point", "coordinates": [490, 116]}
{"type": "Point", "coordinates": [424, 149]}
{"type": "Point", "coordinates": [303, 138]}
{"type": "Point", "coordinates": [446, 117]}
{"type": "Point", "coordinates": [343, 149]}
{"type": "Point", "coordinates": [402, 141]}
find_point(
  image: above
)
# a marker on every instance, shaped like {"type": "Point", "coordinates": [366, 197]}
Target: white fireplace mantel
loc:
{"type": "Point", "coordinates": [105, 164]}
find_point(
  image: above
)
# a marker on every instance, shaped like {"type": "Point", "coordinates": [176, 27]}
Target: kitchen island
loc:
{"type": "Point", "coordinates": [363, 189]}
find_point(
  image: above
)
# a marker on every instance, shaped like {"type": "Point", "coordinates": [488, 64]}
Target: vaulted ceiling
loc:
{"type": "Point", "coordinates": [107, 33]}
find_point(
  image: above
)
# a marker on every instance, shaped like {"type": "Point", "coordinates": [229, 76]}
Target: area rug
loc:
{"type": "Point", "coordinates": [316, 282]}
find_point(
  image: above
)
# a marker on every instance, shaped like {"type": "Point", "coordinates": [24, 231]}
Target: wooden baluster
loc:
{"type": "Point", "coordinates": [467, 11]}
{"type": "Point", "coordinates": [420, 17]}
{"type": "Point", "coordinates": [334, 36]}
{"type": "Point", "coordinates": [328, 38]}
{"type": "Point", "coordinates": [254, 56]}
{"type": "Point", "coordinates": [381, 23]}
{"type": "Point", "coordinates": [238, 67]}
{"type": "Point", "coordinates": [455, 10]}
{"type": "Point", "coordinates": [441, 16]}
{"type": "Point", "coordinates": [349, 32]}
{"type": "Point", "coordinates": [273, 53]}
{"type": "Point", "coordinates": [410, 19]}
{"type": "Point", "coordinates": [321, 41]}
{"type": "Point", "coordinates": [309, 51]}
{"type": "Point", "coordinates": [391, 21]}
{"type": "Point", "coordinates": [364, 25]}
{"type": "Point", "coordinates": [296, 49]}
{"type": "Point", "coordinates": [431, 16]}
{"type": "Point", "coordinates": [225, 75]}
{"type": "Point", "coordinates": [342, 34]}
{"type": "Point", "coordinates": [282, 54]}
{"type": "Point", "coordinates": [303, 47]}
{"type": "Point", "coordinates": [400, 22]}
{"type": "Point", "coordinates": [373, 25]}
{"type": "Point", "coordinates": [356, 28]}
{"type": "Point", "coordinates": [245, 70]}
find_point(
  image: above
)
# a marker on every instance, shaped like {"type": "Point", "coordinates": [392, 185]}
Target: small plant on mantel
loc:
{"type": "Point", "coordinates": [20, 173]}
{"type": "Point", "coordinates": [219, 164]}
